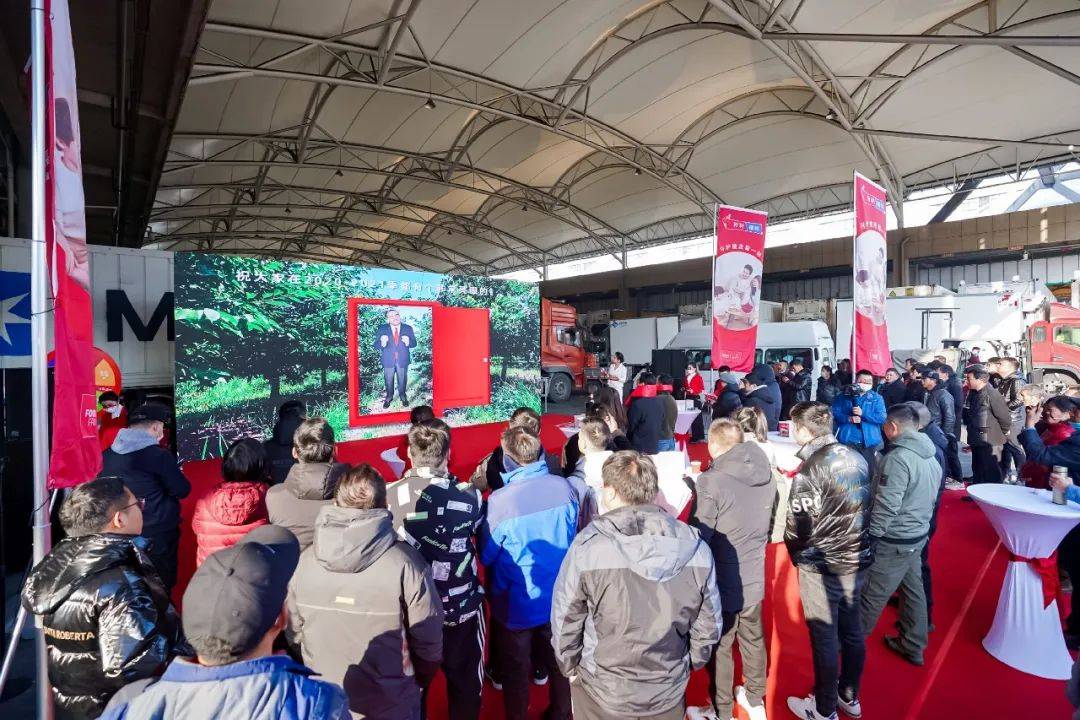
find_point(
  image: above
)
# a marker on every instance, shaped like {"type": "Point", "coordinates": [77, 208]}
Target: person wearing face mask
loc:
{"type": "Point", "coordinates": [693, 384]}
{"type": "Point", "coordinates": [859, 413]}
{"type": "Point", "coordinates": [153, 475]}
{"type": "Point", "coordinates": [112, 418]}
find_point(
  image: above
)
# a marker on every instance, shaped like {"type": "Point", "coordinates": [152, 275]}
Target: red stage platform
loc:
{"type": "Point", "coordinates": [960, 680]}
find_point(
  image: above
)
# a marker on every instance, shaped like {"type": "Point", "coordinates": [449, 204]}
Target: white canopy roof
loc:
{"type": "Point", "coordinates": [490, 135]}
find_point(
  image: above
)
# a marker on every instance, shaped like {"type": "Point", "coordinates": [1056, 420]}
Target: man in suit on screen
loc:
{"type": "Point", "coordinates": [393, 340]}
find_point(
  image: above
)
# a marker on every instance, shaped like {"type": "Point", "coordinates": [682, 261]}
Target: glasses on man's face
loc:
{"type": "Point", "coordinates": [141, 502]}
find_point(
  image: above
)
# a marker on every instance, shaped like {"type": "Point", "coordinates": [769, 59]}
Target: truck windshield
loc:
{"type": "Point", "coordinates": [1068, 335]}
{"type": "Point", "coordinates": [569, 336]}
{"type": "Point", "coordinates": [777, 354]}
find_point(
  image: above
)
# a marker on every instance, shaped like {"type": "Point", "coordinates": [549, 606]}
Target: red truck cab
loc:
{"type": "Point", "coordinates": [563, 361]}
{"type": "Point", "coordinates": [1055, 347]}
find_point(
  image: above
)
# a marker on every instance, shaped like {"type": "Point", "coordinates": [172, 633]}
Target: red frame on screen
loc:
{"type": "Point", "coordinates": [355, 418]}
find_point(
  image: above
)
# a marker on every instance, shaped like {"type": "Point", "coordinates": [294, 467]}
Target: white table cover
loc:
{"type": "Point", "coordinates": [785, 449]}
{"type": "Point", "coordinates": [684, 420]}
{"type": "Point", "coordinates": [1025, 635]}
{"type": "Point", "coordinates": [397, 465]}
{"type": "Point", "coordinates": [671, 467]}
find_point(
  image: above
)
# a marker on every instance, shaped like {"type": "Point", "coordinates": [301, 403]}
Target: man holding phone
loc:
{"type": "Point", "coordinates": [393, 340]}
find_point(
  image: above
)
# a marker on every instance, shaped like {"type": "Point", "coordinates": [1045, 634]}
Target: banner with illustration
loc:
{"type": "Point", "coordinates": [870, 338]}
{"type": "Point", "coordinates": [737, 267]}
{"type": "Point", "coordinates": [359, 346]}
{"type": "Point", "coordinates": [76, 454]}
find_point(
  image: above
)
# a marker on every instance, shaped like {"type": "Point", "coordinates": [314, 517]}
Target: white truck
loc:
{"type": "Point", "coordinates": [636, 338]}
{"type": "Point", "coordinates": [992, 316]}
{"type": "Point", "coordinates": [808, 339]}
{"type": "Point", "coordinates": [133, 310]}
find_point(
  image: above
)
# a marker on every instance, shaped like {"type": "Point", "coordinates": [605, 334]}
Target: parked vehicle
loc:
{"type": "Point", "coordinates": [808, 339]}
{"type": "Point", "coordinates": [563, 359]}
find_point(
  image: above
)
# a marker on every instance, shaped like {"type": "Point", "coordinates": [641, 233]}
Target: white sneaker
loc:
{"type": "Point", "coordinates": [755, 712]}
{"type": "Point", "coordinates": [700, 712]}
{"type": "Point", "coordinates": [806, 709]}
{"type": "Point", "coordinates": [953, 484]}
{"type": "Point", "coordinates": [852, 709]}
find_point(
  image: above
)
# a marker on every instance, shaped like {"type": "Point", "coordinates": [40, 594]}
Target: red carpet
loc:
{"type": "Point", "coordinates": [959, 681]}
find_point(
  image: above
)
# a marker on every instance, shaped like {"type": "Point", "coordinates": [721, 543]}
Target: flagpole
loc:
{"type": "Point", "coordinates": [854, 279]}
{"type": "Point", "coordinates": [39, 288]}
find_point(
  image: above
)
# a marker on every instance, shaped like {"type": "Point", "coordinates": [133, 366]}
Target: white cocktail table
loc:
{"type": "Point", "coordinates": [1026, 633]}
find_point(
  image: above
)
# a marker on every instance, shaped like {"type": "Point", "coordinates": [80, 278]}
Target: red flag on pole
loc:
{"type": "Point", "coordinates": [739, 254]}
{"type": "Point", "coordinates": [76, 455]}
{"type": "Point", "coordinates": [870, 334]}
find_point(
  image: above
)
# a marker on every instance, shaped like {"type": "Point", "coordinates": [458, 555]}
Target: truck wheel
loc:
{"type": "Point", "coordinates": [1056, 383]}
{"type": "Point", "coordinates": [559, 388]}
{"type": "Point", "coordinates": [592, 387]}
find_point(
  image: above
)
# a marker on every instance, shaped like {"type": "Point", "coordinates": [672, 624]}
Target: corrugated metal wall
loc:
{"type": "Point", "coordinates": [809, 288]}
{"type": "Point", "coordinates": [1054, 269]}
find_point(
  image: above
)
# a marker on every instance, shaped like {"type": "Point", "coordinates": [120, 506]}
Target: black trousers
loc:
{"type": "Point", "coordinates": [162, 552]}
{"type": "Point", "coordinates": [952, 459]}
{"type": "Point", "coordinates": [389, 375]}
{"type": "Point", "coordinates": [985, 467]}
{"type": "Point", "coordinates": [515, 649]}
{"type": "Point", "coordinates": [869, 454]}
{"type": "Point", "coordinates": [831, 606]}
{"type": "Point", "coordinates": [746, 627]}
{"type": "Point", "coordinates": [1069, 560]}
{"type": "Point", "coordinates": [1012, 457]}
{"type": "Point", "coordinates": [463, 666]}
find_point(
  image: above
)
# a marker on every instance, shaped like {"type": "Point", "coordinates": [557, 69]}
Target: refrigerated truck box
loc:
{"type": "Point", "coordinates": [133, 310]}
{"type": "Point", "coordinates": [636, 338]}
{"type": "Point", "coordinates": [969, 319]}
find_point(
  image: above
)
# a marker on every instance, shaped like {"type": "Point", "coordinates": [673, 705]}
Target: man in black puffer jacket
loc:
{"type": "Point", "coordinates": [105, 614]}
{"type": "Point", "coordinates": [279, 448]}
{"type": "Point", "coordinates": [152, 474]}
{"type": "Point", "coordinates": [828, 538]}
{"type": "Point", "coordinates": [801, 380]}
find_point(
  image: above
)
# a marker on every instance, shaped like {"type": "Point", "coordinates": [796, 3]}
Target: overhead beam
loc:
{"type": "Point", "coordinates": [996, 40]}
{"type": "Point", "coordinates": [1053, 144]}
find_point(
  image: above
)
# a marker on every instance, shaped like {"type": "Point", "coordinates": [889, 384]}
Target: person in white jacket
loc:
{"type": "Point", "coordinates": [616, 373]}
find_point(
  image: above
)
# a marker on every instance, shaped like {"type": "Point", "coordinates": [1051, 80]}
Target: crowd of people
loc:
{"type": "Point", "coordinates": [324, 591]}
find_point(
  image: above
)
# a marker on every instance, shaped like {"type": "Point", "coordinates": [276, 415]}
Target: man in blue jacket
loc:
{"type": "Point", "coordinates": [234, 608]}
{"type": "Point", "coordinates": [531, 521]}
{"type": "Point", "coordinates": [859, 413]}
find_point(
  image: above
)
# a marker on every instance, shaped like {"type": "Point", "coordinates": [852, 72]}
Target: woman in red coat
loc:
{"type": "Point", "coordinates": [1057, 416]}
{"type": "Point", "coordinates": [693, 385]}
{"type": "Point", "coordinates": [236, 506]}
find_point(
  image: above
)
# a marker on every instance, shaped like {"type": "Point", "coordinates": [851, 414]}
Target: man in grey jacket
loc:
{"type": "Point", "coordinates": [734, 504]}
{"type": "Point", "coordinates": [906, 486]}
{"type": "Point", "coordinates": [622, 663]}
{"type": "Point", "coordinates": [363, 605]}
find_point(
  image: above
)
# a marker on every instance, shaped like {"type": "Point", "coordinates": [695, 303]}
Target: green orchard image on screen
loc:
{"type": "Point", "coordinates": [252, 333]}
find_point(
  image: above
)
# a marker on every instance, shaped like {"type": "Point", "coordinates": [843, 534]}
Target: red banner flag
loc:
{"type": "Point", "coordinates": [740, 252]}
{"type": "Point", "coordinates": [76, 455]}
{"type": "Point", "coordinates": [870, 335]}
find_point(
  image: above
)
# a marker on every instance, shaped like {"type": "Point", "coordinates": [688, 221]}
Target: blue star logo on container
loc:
{"type": "Point", "coordinates": [14, 313]}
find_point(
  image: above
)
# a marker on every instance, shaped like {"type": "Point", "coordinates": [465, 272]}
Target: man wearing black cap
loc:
{"type": "Point", "coordinates": [152, 474]}
{"type": "Point", "coordinates": [234, 608]}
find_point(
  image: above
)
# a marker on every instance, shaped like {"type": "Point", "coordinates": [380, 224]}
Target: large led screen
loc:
{"type": "Point", "coordinates": [360, 346]}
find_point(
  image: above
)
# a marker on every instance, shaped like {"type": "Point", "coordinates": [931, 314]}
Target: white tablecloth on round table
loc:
{"type": "Point", "coordinates": [785, 449]}
{"type": "Point", "coordinates": [397, 465]}
{"type": "Point", "coordinates": [1025, 635]}
{"type": "Point", "coordinates": [684, 420]}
